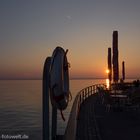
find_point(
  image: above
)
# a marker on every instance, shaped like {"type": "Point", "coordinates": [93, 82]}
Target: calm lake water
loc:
{"type": "Point", "coordinates": [21, 106]}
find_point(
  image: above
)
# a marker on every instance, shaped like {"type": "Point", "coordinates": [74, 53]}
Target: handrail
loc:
{"type": "Point", "coordinates": [70, 133]}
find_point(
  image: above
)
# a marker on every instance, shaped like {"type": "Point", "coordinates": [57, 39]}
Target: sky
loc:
{"type": "Point", "coordinates": [31, 29]}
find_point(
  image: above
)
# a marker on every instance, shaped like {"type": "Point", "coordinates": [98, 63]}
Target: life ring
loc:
{"type": "Point", "coordinates": [59, 79]}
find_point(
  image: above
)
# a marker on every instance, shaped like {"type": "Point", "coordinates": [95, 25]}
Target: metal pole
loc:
{"type": "Point", "coordinates": [123, 70]}
{"type": "Point", "coordinates": [54, 123]}
{"type": "Point", "coordinates": [46, 98]}
{"type": "Point", "coordinates": [109, 65]}
{"type": "Point", "coordinates": [115, 57]}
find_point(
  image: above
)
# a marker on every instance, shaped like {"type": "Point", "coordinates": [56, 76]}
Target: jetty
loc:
{"type": "Point", "coordinates": [96, 122]}
{"type": "Point", "coordinates": [100, 118]}
{"type": "Point", "coordinates": [100, 111]}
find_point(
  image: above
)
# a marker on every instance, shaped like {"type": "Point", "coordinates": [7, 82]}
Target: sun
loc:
{"type": "Point", "coordinates": [107, 71]}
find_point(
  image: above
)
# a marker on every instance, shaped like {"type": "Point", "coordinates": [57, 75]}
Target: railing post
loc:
{"type": "Point", "coordinates": [46, 99]}
{"type": "Point", "coordinates": [84, 95]}
{"type": "Point", "coordinates": [95, 88]}
{"type": "Point", "coordinates": [91, 90]}
{"type": "Point", "coordinates": [80, 99]}
{"type": "Point", "coordinates": [88, 91]}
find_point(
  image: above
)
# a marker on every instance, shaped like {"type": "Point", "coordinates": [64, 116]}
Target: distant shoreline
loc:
{"type": "Point", "coordinates": [70, 79]}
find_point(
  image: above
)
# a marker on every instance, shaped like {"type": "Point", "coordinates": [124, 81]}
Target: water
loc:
{"type": "Point", "coordinates": [21, 106]}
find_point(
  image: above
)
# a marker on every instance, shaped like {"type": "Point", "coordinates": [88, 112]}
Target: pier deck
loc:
{"type": "Point", "coordinates": [95, 123]}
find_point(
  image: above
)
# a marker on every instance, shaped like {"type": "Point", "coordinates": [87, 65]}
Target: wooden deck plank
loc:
{"type": "Point", "coordinates": [85, 129]}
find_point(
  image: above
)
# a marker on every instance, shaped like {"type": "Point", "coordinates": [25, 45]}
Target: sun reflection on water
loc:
{"type": "Point", "coordinates": [107, 83]}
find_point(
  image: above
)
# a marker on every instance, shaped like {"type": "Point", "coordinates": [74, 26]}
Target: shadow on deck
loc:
{"type": "Point", "coordinates": [95, 123]}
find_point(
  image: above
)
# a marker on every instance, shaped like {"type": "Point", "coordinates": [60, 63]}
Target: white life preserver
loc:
{"type": "Point", "coordinates": [59, 79]}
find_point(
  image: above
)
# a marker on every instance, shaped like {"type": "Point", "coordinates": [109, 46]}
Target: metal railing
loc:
{"type": "Point", "coordinates": [70, 133]}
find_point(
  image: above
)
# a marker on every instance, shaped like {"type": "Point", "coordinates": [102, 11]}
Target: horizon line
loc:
{"type": "Point", "coordinates": [73, 78]}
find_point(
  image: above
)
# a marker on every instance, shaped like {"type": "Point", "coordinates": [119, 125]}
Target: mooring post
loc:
{"type": "Point", "coordinates": [46, 92]}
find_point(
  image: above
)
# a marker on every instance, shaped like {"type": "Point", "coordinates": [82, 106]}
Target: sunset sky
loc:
{"type": "Point", "coordinates": [31, 29]}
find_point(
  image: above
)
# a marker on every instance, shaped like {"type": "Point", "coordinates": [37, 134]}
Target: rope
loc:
{"type": "Point", "coordinates": [62, 115]}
